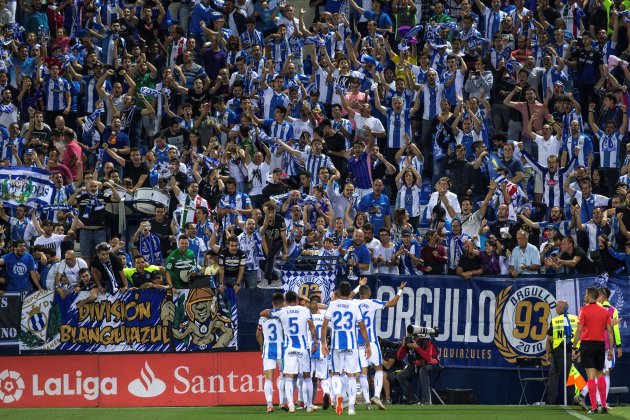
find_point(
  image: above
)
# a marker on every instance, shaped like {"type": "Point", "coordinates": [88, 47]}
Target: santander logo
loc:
{"type": "Point", "coordinates": [147, 385]}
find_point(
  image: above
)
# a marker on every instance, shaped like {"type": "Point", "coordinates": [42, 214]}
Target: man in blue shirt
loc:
{"type": "Point", "coordinates": [20, 269]}
{"type": "Point", "coordinates": [377, 205]}
{"type": "Point", "coordinates": [202, 12]}
{"type": "Point", "coordinates": [408, 254]}
{"type": "Point", "coordinates": [358, 255]}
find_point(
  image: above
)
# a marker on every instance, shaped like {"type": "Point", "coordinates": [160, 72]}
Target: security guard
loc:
{"type": "Point", "coordinates": [556, 356]}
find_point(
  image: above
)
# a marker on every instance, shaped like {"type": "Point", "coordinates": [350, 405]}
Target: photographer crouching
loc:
{"type": "Point", "coordinates": [421, 356]}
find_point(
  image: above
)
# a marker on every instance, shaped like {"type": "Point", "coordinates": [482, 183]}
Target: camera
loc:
{"type": "Point", "coordinates": [426, 331]}
{"type": "Point", "coordinates": [389, 344]}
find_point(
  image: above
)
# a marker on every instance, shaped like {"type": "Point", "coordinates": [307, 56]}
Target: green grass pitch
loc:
{"type": "Point", "coordinates": [467, 412]}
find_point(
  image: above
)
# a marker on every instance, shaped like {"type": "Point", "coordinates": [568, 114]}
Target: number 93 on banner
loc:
{"type": "Point", "coordinates": [306, 289]}
{"type": "Point", "coordinates": [521, 321]}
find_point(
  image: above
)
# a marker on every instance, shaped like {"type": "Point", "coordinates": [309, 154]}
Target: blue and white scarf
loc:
{"type": "Point", "coordinates": [90, 120]}
{"type": "Point", "coordinates": [150, 248]}
{"type": "Point", "coordinates": [94, 204]}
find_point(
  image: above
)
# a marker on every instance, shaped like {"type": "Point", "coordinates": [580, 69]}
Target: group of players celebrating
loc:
{"type": "Point", "coordinates": [294, 336]}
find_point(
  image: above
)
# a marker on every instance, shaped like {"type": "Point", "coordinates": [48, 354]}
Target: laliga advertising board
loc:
{"type": "Point", "coordinates": [198, 379]}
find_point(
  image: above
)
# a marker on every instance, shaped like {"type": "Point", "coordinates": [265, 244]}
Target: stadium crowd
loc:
{"type": "Point", "coordinates": [435, 137]}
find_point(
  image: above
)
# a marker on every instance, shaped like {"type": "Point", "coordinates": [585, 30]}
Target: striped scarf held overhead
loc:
{"type": "Point", "coordinates": [154, 92]}
{"type": "Point", "coordinates": [94, 204]}
{"type": "Point", "coordinates": [90, 120]}
{"type": "Point", "coordinates": [150, 248]}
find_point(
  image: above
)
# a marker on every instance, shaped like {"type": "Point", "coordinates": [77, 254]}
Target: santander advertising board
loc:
{"type": "Point", "coordinates": [198, 379]}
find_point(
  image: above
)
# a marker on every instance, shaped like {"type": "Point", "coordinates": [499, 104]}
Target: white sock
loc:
{"type": "Point", "coordinates": [337, 385]}
{"type": "Point", "coordinates": [308, 392]}
{"type": "Point", "coordinates": [365, 388]}
{"type": "Point", "coordinates": [607, 378]}
{"type": "Point", "coordinates": [325, 384]}
{"type": "Point", "coordinates": [378, 383]}
{"type": "Point", "coordinates": [299, 383]}
{"type": "Point", "coordinates": [288, 389]}
{"type": "Point", "coordinates": [344, 382]}
{"type": "Point", "coordinates": [352, 389]}
{"type": "Point", "coordinates": [280, 386]}
{"type": "Point", "coordinates": [584, 391]}
{"type": "Point", "coordinates": [269, 392]}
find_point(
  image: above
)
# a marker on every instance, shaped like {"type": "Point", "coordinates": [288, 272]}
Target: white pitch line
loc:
{"type": "Point", "coordinates": [576, 414]}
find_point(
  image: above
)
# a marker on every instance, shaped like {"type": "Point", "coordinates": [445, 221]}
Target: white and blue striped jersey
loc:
{"type": "Point", "coordinates": [343, 316]}
{"type": "Point", "coordinates": [584, 143]}
{"type": "Point", "coordinates": [55, 93]}
{"type": "Point", "coordinates": [6, 149]}
{"type": "Point", "coordinates": [553, 194]}
{"type": "Point", "coordinates": [271, 99]}
{"type": "Point", "coordinates": [273, 337]}
{"type": "Point", "coordinates": [294, 325]}
{"type": "Point", "coordinates": [492, 21]}
{"type": "Point", "coordinates": [608, 146]}
{"type": "Point", "coordinates": [313, 162]}
{"type": "Point", "coordinates": [318, 321]}
{"type": "Point", "coordinates": [566, 123]}
{"type": "Point", "coordinates": [91, 95]}
{"type": "Point", "coordinates": [239, 201]}
{"type": "Point", "coordinates": [431, 98]}
{"type": "Point", "coordinates": [110, 11]}
{"type": "Point", "coordinates": [369, 307]}
{"type": "Point", "coordinates": [397, 125]}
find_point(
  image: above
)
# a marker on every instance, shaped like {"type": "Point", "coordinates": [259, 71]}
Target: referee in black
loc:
{"type": "Point", "coordinates": [593, 322]}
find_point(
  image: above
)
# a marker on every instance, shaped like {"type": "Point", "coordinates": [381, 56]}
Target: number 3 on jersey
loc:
{"type": "Point", "coordinates": [337, 317]}
{"type": "Point", "coordinates": [273, 332]}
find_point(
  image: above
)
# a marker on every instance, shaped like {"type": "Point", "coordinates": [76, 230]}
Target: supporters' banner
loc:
{"type": "Point", "coordinates": [306, 282]}
{"type": "Point", "coordinates": [132, 380]}
{"type": "Point", "coordinates": [10, 307]}
{"type": "Point", "coordinates": [22, 185]}
{"type": "Point", "coordinates": [148, 320]}
{"type": "Point", "coordinates": [38, 330]}
{"type": "Point", "coordinates": [572, 290]}
{"type": "Point", "coordinates": [483, 323]}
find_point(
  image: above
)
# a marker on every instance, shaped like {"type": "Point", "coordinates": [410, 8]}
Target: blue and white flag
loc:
{"type": "Point", "coordinates": [154, 92]}
{"type": "Point", "coordinates": [449, 25]}
{"type": "Point", "coordinates": [22, 185]}
{"type": "Point", "coordinates": [91, 119]}
{"type": "Point", "coordinates": [477, 41]}
{"type": "Point", "coordinates": [315, 40]}
{"type": "Point", "coordinates": [304, 282]}
{"type": "Point", "coordinates": [211, 162]}
{"type": "Point", "coordinates": [412, 32]}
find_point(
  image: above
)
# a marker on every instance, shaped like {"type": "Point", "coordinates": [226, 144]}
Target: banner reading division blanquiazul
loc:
{"type": "Point", "coordinates": [139, 321]}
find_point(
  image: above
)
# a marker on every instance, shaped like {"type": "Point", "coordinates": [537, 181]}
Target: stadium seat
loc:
{"type": "Point", "coordinates": [527, 376]}
{"type": "Point", "coordinates": [617, 391]}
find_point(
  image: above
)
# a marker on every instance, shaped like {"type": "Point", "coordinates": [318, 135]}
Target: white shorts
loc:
{"type": "Point", "coordinates": [345, 361]}
{"type": "Point", "coordinates": [296, 361]}
{"type": "Point", "coordinates": [270, 364]}
{"type": "Point", "coordinates": [376, 358]}
{"type": "Point", "coordinates": [320, 367]}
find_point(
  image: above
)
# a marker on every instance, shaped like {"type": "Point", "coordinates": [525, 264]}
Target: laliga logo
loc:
{"type": "Point", "coordinates": [147, 386]}
{"type": "Point", "coordinates": [521, 321]}
{"type": "Point", "coordinates": [11, 386]}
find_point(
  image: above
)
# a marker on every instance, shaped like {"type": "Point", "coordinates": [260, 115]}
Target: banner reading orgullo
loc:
{"type": "Point", "coordinates": [482, 323]}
